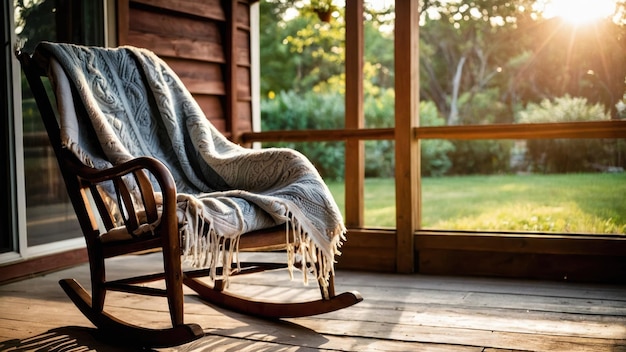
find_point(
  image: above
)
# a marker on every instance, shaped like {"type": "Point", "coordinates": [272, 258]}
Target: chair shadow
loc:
{"type": "Point", "coordinates": [270, 336]}
{"type": "Point", "coordinates": [265, 334]}
{"type": "Point", "coordinates": [64, 339]}
{"type": "Point", "coordinates": [273, 336]}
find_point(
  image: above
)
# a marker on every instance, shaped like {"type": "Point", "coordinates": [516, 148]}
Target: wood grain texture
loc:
{"type": "Point", "coordinates": [399, 313]}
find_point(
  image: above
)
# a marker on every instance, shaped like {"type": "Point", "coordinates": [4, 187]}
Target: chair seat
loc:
{"type": "Point", "coordinates": [115, 235]}
{"type": "Point", "coordinates": [121, 233]}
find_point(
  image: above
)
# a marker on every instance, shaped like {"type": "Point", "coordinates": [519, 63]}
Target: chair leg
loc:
{"type": "Point", "coordinates": [98, 279]}
{"type": "Point", "coordinates": [331, 287]}
{"type": "Point", "coordinates": [174, 284]}
{"type": "Point", "coordinates": [114, 329]}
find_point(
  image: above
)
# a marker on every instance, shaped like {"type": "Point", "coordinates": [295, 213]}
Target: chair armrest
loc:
{"type": "Point", "coordinates": [164, 217]}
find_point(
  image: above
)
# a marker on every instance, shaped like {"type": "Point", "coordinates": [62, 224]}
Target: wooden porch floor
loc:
{"type": "Point", "coordinates": [399, 313]}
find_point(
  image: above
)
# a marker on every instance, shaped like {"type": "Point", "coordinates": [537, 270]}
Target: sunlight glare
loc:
{"type": "Point", "coordinates": [579, 11]}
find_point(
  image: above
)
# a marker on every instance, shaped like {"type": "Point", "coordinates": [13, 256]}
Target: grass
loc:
{"type": "Point", "coordinates": [572, 203]}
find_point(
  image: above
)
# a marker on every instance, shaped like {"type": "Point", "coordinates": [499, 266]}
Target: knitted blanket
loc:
{"type": "Point", "coordinates": [137, 106]}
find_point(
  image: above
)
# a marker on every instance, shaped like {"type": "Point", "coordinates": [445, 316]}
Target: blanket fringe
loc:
{"type": "Point", "coordinates": [203, 247]}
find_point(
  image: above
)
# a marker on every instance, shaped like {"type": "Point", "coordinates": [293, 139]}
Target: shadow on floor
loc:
{"type": "Point", "coordinates": [274, 336]}
{"type": "Point", "coordinates": [64, 339]}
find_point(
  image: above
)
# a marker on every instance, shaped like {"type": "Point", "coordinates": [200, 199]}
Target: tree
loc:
{"type": "Point", "coordinates": [584, 60]}
{"type": "Point", "coordinates": [35, 21]}
{"type": "Point", "coordinates": [468, 47]}
{"type": "Point", "coordinates": [465, 49]}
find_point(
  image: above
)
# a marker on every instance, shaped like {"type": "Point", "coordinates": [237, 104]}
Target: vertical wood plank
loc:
{"type": "Point", "coordinates": [406, 118]}
{"type": "Point", "coordinates": [123, 23]}
{"type": "Point", "coordinates": [355, 150]}
{"type": "Point", "coordinates": [231, 68]}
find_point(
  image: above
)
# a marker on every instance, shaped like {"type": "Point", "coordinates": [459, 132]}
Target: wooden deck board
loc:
{"type": "Point", "coordinates": [399, 313]}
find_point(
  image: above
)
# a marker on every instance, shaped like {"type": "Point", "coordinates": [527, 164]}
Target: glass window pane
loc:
{"type": "Point", "coordinates": [378, 66]}
{"type": "Point", "coordinates": [49, 214]}
{"type": "Point", "coordinates": [302, 71]}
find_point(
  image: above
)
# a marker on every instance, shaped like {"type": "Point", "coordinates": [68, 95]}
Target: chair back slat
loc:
{"type": "Point", "coordinates": [35, 69]}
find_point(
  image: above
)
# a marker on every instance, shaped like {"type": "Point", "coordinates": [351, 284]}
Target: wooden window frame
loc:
{"type": "Point", "coordinates": [408, 248]}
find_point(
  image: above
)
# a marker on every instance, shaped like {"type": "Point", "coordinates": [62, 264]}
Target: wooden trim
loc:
{"type": "Point", "coordinates": [591, 129]}
{"type": "Point", "coordinates": [232, 116]}
{"type": "Point", "coordinates": [319, 135]}
{"type": "Point", "coordinates": [40, 265]}
{"type": "Point", "coordinates": [543, 266]}
{"type": "Point", "coordinates": [207, 9]}
{"type": "Point", "coordinates": [355, 117]}
{"type": "Point", "coordinates": [521, 255]}
{"type": "Point", "coordinates": [406, 119]}
{"type": "Point", "coordinates": [544, 243]}
{"type": "Point", "coordinates": [177, 47]}
{"type": "Point", "coordinates": [123, 24]}
{"type": "Point", "coordinates": [368, 250]}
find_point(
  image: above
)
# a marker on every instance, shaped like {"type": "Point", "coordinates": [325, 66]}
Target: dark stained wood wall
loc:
{"type": "Point", "coordinates": [207, 43]}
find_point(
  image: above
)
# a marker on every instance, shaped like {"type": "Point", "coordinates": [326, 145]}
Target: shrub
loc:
{"type": "Point", "coordinates": [291, 111]}
{"type": "Point", "coordinates": [480, 157]}
{"type": "Point", "coordinates": [569, 155]}
{"type": "Point", "coordinates": [434, 152]}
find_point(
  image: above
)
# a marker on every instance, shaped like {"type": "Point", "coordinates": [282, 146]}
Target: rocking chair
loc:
{"type": "Point", "coordinates": [98, 215]}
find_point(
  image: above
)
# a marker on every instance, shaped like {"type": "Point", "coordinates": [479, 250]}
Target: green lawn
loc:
{"type": "Point", "coordinates": [574, 203]}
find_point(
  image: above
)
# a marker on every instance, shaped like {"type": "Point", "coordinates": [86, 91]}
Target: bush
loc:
{"type": "Point", "coordinates": [569, 155]}
{"type": "Point", "coordinates": [291, 111]}
{"type": "Point", "coordinates": [434, 152]}
{"type": "Point", "coordinates": [480, 157]}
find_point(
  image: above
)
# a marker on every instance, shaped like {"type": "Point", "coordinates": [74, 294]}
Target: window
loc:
{"type": "Point", "coordinates": [7, 220]}
{"type": "Point", "coordinates": [48, 213]}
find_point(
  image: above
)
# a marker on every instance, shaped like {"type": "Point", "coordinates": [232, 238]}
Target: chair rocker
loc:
{"type": "Point", "coordinates": [98, 215]}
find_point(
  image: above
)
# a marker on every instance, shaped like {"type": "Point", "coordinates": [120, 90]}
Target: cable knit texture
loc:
{"type": "Point", "coordinates": [138, 106]}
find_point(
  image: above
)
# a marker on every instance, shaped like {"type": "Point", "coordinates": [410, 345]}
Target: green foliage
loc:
{"type": "Point", "coordinates": [303, 53]}
{"type": "Point", "coordinates": [562, 109]}
{"type": "Point", "coordinates": [483, 107]}
{"type": "Point", "coordinates": [434, 152]}
{"type": "Point", "coordinates": [504, 54]}
{"type": "Point", "coordinates": [291, 111]}
{"type": "Point", "coordinates": [299, 53]}
{"type": "Point", "coordinates": [35, 21]}
{"type": "Point", "coordinates": [379, 158]}
{"type": "Point", "coordinates": [570, 155]}
{"type": "Point", "coordinates": [480, 157]}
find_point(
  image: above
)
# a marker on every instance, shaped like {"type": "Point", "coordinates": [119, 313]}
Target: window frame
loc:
{"type": "Point", "coordinates": [399, 250]}
{"type": "Point", "coordinates": [16, 210]}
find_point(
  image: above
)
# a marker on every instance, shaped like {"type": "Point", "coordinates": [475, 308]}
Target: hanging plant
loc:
{"type": "Point", "coordinates": [323, 8]}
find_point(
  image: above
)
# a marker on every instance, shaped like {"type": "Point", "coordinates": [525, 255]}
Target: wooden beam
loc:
{"type": "Point", "coordinates": [319, 135]}
{"type": "Point", "coordinates": [590, 129]}
{"type": "Point", "coordinates": [123, 8]}
{"type": "Point", "coordinates": [355, 118]}
{"type": "Point", "coordinates": [537, 243]}
{"type": "Point", "coordinates": [406, 119]}
{"type": "Point", "coordinates": [41, 265]}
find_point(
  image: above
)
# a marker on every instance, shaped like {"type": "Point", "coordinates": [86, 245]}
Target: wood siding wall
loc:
{"type": "Point", "coordinates": [207, 43]}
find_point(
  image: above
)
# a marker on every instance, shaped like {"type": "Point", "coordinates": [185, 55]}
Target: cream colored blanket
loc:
{"type": "Point", "coordinates": [138, 107]}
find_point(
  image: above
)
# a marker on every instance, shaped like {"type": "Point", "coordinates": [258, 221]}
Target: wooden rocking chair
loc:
{"type": "Point", "coordinates": [104, 239]}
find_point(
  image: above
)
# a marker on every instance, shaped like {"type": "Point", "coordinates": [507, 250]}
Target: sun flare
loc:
{"type": "Point", "coordinates": [579, 11]}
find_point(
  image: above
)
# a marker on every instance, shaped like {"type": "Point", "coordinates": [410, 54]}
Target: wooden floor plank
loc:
{"type": "Point", "coordinates": [399, 313]}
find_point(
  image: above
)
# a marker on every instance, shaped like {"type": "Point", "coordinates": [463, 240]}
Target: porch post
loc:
{"type": "Point", "coordinates": [355, 150]}
{"type": "Point", "coordinates": [406, 119]}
